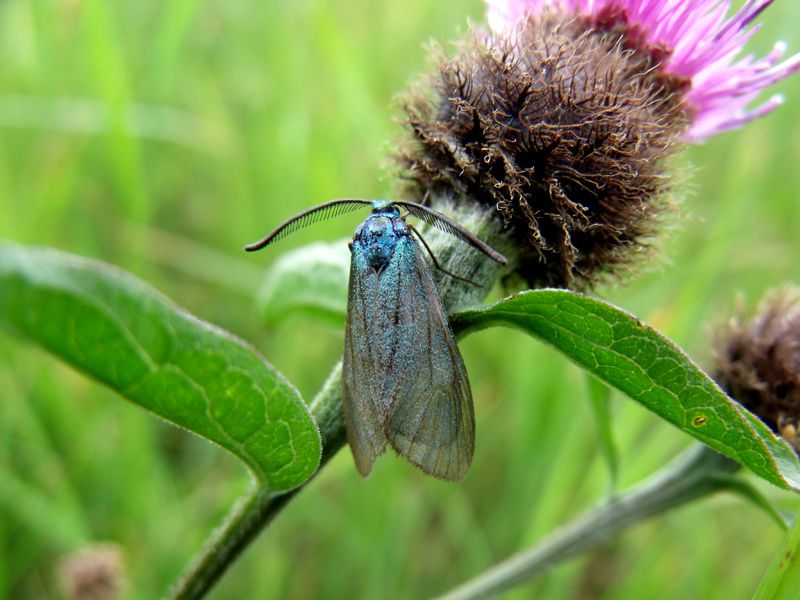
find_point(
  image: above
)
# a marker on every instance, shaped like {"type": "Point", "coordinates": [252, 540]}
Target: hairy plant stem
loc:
{"type": "Point", "coordinates": [697, 473]}
{"type": "Point", "coordinates": [260, 506]}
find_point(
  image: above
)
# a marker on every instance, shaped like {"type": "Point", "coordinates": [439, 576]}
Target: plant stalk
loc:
{"type": "Point", "coordinates": [698, 472]}
{"type": "Point", "coordinates": [260, 506]}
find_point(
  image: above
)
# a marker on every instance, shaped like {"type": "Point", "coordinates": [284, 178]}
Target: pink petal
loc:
{"type": "Point", "coordinates": [704, 45]}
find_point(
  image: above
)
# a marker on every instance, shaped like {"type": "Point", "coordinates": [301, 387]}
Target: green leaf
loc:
{"type": "Point", "coordinates": [125, 334]}
{"type": "Point", "coordinates": [782, 579]}
{"type": "Point", "coordinates": [636, 359]}
{"type": "Point", "coordinates": [312, 279]}
{"type": "Point", "coordinates": [600, 398]}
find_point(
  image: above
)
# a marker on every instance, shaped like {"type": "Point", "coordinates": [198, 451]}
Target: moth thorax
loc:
{"type": "Point", "coordinates": [378, 236]}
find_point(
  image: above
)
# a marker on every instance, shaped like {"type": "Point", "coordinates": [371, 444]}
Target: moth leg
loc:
{"type": "Point", "coordinates": [436, 262]}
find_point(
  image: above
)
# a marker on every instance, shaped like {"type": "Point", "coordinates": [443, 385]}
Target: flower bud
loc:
{"type": "Point", "coordinates": [95, 572]}
{"type": "Point", "coordinates": [758, 362]}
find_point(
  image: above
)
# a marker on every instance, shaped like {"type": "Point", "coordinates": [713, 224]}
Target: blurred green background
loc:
{"type": "Point", "coordinates": [162, 136]}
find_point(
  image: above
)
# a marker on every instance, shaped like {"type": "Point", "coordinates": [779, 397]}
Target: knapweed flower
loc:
{"type": "Point", "coordinates": [758, 362]}
{"type": "Point", "coordinates": [563, 114]}
{"type": "Point", "coordinates": [691, 41]}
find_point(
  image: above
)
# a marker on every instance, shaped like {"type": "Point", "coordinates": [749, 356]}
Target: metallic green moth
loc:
{"type": "Point", "coordinates": [404, 383]}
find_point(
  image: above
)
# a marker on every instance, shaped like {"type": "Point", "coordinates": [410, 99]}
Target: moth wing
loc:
{"type": "Point", "coordinates": [360, 384]}
{"type": "Point", "coordinates": [430, 419]}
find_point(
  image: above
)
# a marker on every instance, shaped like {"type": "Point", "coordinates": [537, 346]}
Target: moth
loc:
{"type": "Point", "coordinates": [403, 379]}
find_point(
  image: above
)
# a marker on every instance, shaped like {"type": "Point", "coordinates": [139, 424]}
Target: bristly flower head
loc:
{"type": "Point", "coordinates": [758, 363]}
{"type": "Point", "coordinates": [563, 114]}
{"type": "Point", "coordinates": [692, 41]}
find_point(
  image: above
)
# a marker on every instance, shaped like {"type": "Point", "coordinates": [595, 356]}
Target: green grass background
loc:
{"type": "Point", "coordinates": [162, 136]}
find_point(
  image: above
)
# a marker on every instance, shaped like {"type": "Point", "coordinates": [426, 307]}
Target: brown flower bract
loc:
{"type": "Point", "coordinates": [758, 363]}
{"type": "Point", "coordinates": [564, 130]}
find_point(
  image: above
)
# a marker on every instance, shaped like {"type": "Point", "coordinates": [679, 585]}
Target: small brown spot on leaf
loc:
{"type": "Point", "coordinates": [786, 558]}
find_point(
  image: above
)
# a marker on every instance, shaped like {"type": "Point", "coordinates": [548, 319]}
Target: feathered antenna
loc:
{"type": "Point", "coordinates": [334, 208]}
{"type": "Point", "coordinates": [443, 222]}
